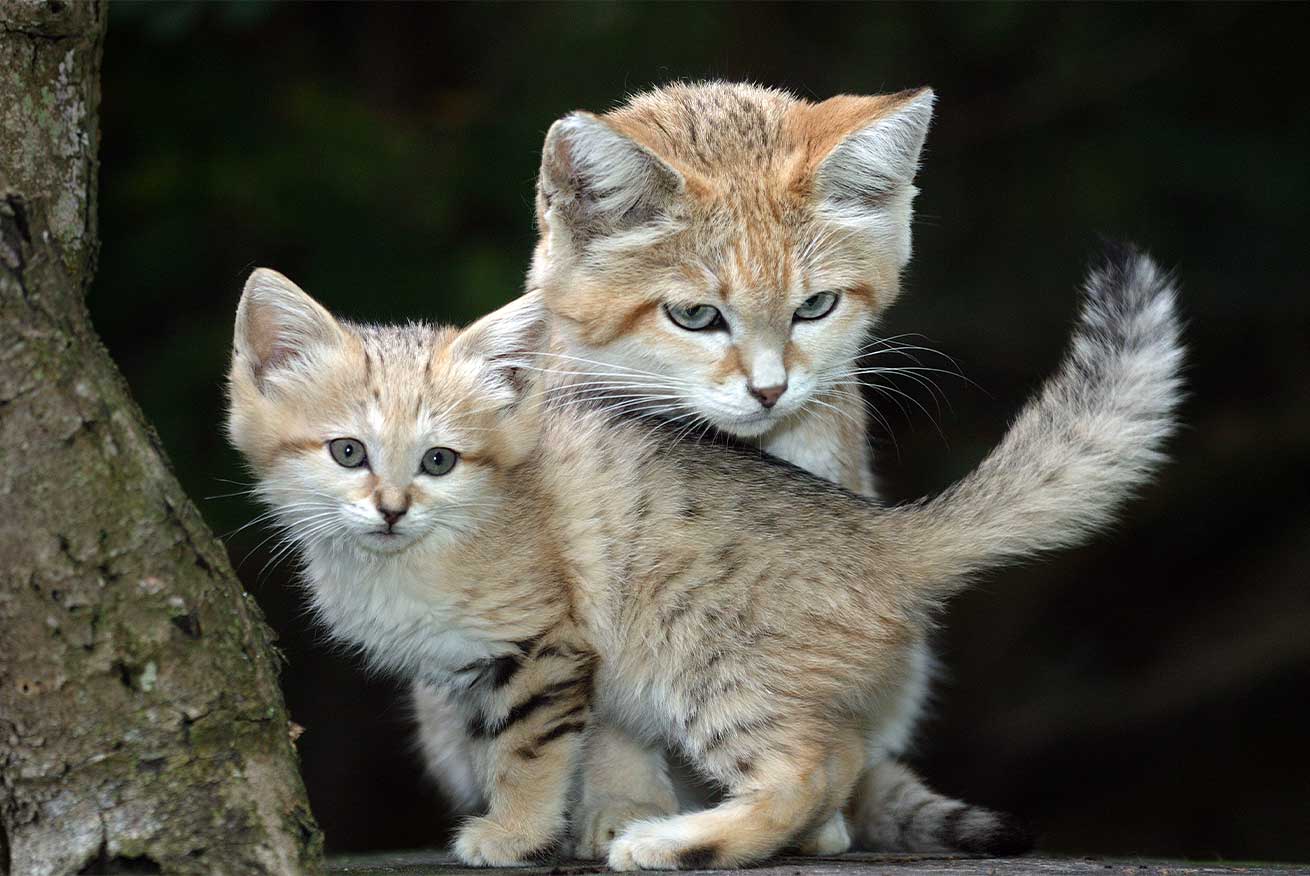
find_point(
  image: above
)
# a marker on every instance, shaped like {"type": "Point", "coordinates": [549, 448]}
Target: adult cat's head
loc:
{"type": "Point", "coordinates": [724, 249]}
{"type": "Point", "coordinates": [378, 437]}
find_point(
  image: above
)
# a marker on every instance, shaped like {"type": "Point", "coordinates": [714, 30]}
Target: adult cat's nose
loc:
{"type": "Point", "coordinates": [767, 395]}
{"type": "Point", "coordinates": [391, 515]}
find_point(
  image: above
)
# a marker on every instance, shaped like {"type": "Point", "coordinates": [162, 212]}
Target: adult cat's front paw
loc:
{"type": "Point", "coordinates": [598, 824]}
{"type": "Point", "coordinates": [482, 842]}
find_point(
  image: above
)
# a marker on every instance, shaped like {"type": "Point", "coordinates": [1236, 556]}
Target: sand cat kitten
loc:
{"type": "Point", "coordinates": [554, 565]}
{"type": "Point", "coordinates": [718, 254]}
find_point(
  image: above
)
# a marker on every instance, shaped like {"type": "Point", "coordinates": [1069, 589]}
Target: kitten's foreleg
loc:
{"type": "Point", "coordinates": [531, 725]}
{"type": "Point", "coordinates": [622, 781]}
{"type": "Point", "coordinates": [778, 793]}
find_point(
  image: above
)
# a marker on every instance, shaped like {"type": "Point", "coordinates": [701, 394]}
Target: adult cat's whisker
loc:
{"type": "Point", "coordinates": [612, 390]}
{"type": "Point", "coordinates": [886, 346]}
{"type": "Point", "coordinates": [913, 369]}
{"type": "Point", "coordinates": [622, 400]}
{"type": "Point", "coordinates": [843, 413]}
{"type": "Point", "coordinates": [601, 372]}
{"type": "Point", "coordinates": [603, 364]}
{"type": "Point", "coordinates": [603, 380]}
{"type": "Point", "coordinates": [935, 391]}
{"type": "Point", "coordinates": [885, 390]}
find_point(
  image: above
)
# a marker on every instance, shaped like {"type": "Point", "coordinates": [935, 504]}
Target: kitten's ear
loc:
{"type": "Point", "coordinates": [507, 342]}
{"type": "Point", "coordinates": [598, 181]}
{"type": "Point", "coordinates": [877, 141]}
{"type": "Point", "coordinates": [277, 322]}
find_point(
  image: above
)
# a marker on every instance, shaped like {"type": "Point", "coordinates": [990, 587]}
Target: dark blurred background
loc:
{"type": "Point", "coordinates": [1146, 695]}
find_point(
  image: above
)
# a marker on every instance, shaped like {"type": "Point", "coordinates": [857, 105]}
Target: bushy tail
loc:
{"type": "Point", "coordinates": [1077, 450]}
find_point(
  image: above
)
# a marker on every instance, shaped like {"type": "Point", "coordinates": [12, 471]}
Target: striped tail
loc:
{"type": "Point", "coordinates": [1076, 452]}
{"type": "Point", "coordinates": [894, 811]}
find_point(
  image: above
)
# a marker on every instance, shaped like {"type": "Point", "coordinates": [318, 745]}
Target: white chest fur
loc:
{"type": "Point", "coordinates": [400, 619]}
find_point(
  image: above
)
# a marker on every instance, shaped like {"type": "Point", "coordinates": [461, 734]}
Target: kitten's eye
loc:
{"type": "Point", "coordinates": [817, 306]}
{"type": "Point", "coordinates": [347, 452]}
{"type": "Point", "coordinates": [438, 461]}
{"type": "Point", "coordinates": [696, 318]}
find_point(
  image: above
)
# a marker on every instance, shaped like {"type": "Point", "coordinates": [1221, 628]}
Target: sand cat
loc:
{"type": "Point", "coordinates": [717, 255]}
{"type": "Point", "coordinates": [555, 565]}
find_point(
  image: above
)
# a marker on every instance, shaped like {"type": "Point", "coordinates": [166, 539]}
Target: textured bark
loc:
{"type": "Point", "coordinates": [141, 725]}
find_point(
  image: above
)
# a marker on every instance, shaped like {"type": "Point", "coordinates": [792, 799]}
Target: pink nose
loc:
{"type": "Point", "coordinates": [768, 395]}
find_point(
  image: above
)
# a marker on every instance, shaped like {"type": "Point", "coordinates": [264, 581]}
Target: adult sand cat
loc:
{"type": "Point", "coordinates": [717, 254]}
{"type": "Point", "coordinates": [553, 564]}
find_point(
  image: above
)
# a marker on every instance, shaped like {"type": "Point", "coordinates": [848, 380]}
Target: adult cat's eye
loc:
{"type": "Point", "coordinates": [347, 452]}
{"type": "Point", "coordinates": [695, 318]}
{"type": "Point", "coordinates": [438, 461]}
{"type": "Point", "coordinates": [817, 306]}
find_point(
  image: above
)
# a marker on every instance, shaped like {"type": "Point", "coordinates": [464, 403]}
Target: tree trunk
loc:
{"type": "Point", "coordinates": [141, 724]}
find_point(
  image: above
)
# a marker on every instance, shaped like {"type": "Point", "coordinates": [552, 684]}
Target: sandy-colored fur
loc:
{"type": "Point", "coordinates": [576, 563]}
{"type": "Point", "coordinates": [748, 199]}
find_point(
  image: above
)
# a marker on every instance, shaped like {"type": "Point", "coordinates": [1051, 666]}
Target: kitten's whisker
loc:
{"type": "Point", "coordinates": [272, 513]}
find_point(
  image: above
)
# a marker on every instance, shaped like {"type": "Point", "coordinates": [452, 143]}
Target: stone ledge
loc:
{"type": "Point", "coordinates": [437, 863]}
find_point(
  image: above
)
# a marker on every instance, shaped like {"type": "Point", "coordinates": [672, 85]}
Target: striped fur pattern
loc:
{"type": "Point", "coordinates": [576, 567]}
{"type": "Point", "coordinates": [748, 200]}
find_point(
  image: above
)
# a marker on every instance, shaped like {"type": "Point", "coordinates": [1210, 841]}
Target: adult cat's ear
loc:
{"type": "Point", "coordinates": [868, 147]}
{"type": "Point", "coordinates": [507, 343]}
{"type": "Point", "coordinates": [278, 324]}
{"type": "Point", "coordinates": [598, 181]}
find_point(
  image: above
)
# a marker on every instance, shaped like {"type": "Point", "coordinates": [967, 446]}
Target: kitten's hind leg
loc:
{"type": "Point", "coordinates": [531, 721]}
{"type": "Point", "coordinates": [622, 781]}
{"type": "Point", "coordinates": [829, 838]}
{"type": "Point", "coordinates": [775, 797]}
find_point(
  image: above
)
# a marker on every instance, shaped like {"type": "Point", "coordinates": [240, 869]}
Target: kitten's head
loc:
{"type": "Point", "coordinates": [377, 437]}
{"type": "Point", "coordinates": [725, 249]}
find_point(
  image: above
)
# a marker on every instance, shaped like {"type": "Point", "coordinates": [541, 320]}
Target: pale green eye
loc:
{"type": "Point", "coordinates": [817, 306]}
{"type": "Point", "coordinates": [696, 318]}
{"type": "Point", "coordinates": [438, 461]}
{"type": "Point", "coordinates": [347, 452]}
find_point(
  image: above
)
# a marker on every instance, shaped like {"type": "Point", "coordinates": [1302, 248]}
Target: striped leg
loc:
{"type": "Point", "coordinates": [530, 727]}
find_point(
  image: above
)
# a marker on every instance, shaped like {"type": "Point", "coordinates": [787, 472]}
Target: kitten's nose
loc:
{"type": "Point", "coordinates": [767, 395]}
{"type": "Point", "coordinates": [391, 515]}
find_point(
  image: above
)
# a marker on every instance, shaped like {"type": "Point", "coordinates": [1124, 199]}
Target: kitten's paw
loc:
{"type": "Point", "coordinates": [596, 826]}
{"type": "Point", "coordinates": [661, 844]}
{"type": "Point", "coordinates": [482, 842]}
{"type": "Point", "coordinates": [829, 838]}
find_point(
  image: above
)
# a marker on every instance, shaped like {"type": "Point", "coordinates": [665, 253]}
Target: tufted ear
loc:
{"type": "Point", "coordinates": [598, 181]}
{"type": "Point", "coordinates": [278, 323]}
{"type": "Point", "coordinates": [876, 145]}
{"type": "Point", "coordinates": [507, 342]}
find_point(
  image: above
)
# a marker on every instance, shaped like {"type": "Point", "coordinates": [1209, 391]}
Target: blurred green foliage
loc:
{"type": "Point", "coordinates": [384, 155]}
